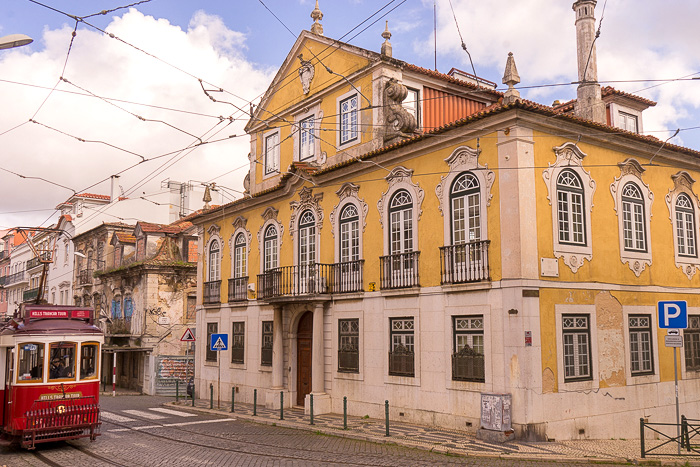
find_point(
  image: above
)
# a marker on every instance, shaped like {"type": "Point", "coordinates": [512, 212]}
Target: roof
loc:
{"type": "Point", "coordinates": [125, 237]}
{"type": "Point", "coordinates": [450, 79]}
{"type": "Point", "coordinates": [174, 228]}
{"type": "Point", "coordinates": [93, 196]}
{"type": "Point", "coordinates": [610, 91]}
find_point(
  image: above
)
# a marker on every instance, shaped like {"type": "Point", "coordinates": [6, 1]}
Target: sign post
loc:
{"type": "Point", "coordinates": [188, 337]}
{"type": "Point", "coordinates": [218, 343]}
{"type": "Point", "coordinates": [673, 315]}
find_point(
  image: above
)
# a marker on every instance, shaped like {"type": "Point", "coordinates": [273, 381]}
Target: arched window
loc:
{"type": "Point", "coordinates": [465, 205]}
{"type": "Point", "coordinates": [685, 226]}
{"type": "Point", "coordinates": [307, 238]}
{"type": "Point", "coordinates": [570, 205]}
{"type": "Point", "coordinates": [633, 221]}
{"type": "Point", "coordinates": [270, 248]}
{"type": "Point", "coordinates": [349, 234]}
{"type": "Point", "coordinates": [214, 269]}
{"type": "Point", "coordinates": [401, 223]}
{"type": "Point", "coordinates": [239, 256]}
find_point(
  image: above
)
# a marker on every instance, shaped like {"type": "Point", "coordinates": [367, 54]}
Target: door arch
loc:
{"type": "Point", "coordinates": [304, 337]}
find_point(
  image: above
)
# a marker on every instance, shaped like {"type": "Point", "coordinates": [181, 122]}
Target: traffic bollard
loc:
{"type": "Point", "coordinates": [233, 398]}
{"type": "Point", "coordinates": [255, 402]}
{"type": "Point", "coordinates": [211, 395]}
{"type": "Point", "coordinates": [281, 405]}
{"type": "Point", "coordinates": [386, 412]}
{"type": "Point", "coordinates": [345, 412]}
{"type": "Point", "coordinates": [177, 390]}
{"type": "Point", "coordinates": [311, 406]}
{"type": "Point", "coordinates": [192, 396]}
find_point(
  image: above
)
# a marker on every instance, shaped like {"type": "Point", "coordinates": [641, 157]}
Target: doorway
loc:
{"type": "Point", "coordinates": [304, 336]}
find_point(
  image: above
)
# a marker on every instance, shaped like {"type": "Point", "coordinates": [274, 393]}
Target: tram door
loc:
{"type": "Point", "coordinates": [8, 361]}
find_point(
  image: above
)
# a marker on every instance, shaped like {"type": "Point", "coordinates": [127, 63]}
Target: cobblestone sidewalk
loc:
{"type": "Point", "coordinates": [443, 440]}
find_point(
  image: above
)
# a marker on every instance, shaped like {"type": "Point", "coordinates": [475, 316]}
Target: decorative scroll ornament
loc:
{"type": "Point", "coordinates": [239, 222]}
{"type": "Point", "coordinates": [462, 159]}
{"type": "Point", "coordinates": [306, 73]}
{"type": "Point", "coordinates": [270, 214]}
{"type": "Point", "coordinates": [399, 123]}
{"type": "Point", "coordinates": [213, 230]}
{"type": "Point", "coordinates": [400, 177]}
{"type": "Point", "coordinates": [349, 191]}
{"type": "Point", "coordinates": [307, 200]}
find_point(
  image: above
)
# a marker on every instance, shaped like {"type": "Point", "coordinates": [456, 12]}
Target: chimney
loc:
{"type": "Point", "coordinates": [114, 189]}
{"type": "Point", "coordinates": [589, 103]}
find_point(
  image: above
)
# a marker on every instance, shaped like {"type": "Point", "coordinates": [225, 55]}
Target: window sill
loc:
{"type": "Point", "coordinates": [349, 376]}
{"type": "Point", "coordinates": [409, 291]}
{"type": "Point", "coordinates": [237, 366]}
{"type": "Point", "coordinates": [467, 286]}
{"type": "Point", "coordinates": [402, 380]}
{"type": "Point", "coordinates": [470, 386]}
{"type": "Point", "coordinates": [212, 306]}
{"type": "Point", "coordinates": [238, 304]}
{"type": "Point", "coordinates": [214, 364]}
{"type": "Point", "coordinates": [642, 379]}
{"type": "Point", "coordinates": [265, 369]}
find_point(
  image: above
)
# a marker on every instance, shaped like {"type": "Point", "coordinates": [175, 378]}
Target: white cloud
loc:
{"type": "Point", "coordinates": [108, 67]}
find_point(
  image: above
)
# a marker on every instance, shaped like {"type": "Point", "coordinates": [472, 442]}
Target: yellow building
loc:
{"type": "Point", "coordinates": [421, 238]}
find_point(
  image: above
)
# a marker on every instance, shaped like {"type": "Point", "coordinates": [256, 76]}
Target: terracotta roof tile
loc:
{"type": "Point", "coordinates": [93, 196]}
{"type": "Point", "coordinates": [125, 237]}
{"type": "Point", "coordinates": [609, 91]}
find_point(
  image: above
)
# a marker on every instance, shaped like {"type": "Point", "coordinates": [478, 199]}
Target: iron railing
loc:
{"type": "Point", "coordinates": [399, 271]}
{"type": "Point", "coordinates": [31, 294]}
{"type": "Point", "coordinates": [237, 354]}
{"type": "Point", "coordinates": [348, 360]}
{"type": "Point", "coordinates": [3, 254]}
{"type": "Point", "coordinates": [238, 289]}
{"type": "Point", "coordinates": [311, 279]}
{"type": "Point", "coordinates": [401, 362]}
{"type": "Point", "coordinates": [212, 292]}
{"type": "Point", "coordinates": [59, 419]}
{"type": "Point", "coordinates": [16, 277]}
{"type": "Point", "coordinates": [3, 279]}
{"type": "Point", "coordinates": [669, 445]}
{"type": "Point", "coordinates": [468, 365]}
{"type": "Point", "coordinates": [118, 326]}
{"type": "Point", "coordinates": [45, 257]}
{"type": "Point", "coordinates": [85, 277]}
{"type": "Point", "coordinates": [266, 356]}
{"type": "Point", "coordinates": [466, 262]}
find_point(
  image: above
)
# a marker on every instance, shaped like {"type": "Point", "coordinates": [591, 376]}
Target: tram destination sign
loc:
{"type": "Point", "coordinates": [62, 314]}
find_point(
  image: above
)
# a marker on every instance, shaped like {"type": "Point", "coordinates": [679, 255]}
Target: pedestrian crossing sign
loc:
{"type": "Point", "coordinates": [218, 342]}
{"type": "Point", "coordinates": [188, 336]}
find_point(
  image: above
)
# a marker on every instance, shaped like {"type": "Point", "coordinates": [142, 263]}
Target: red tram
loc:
{"type": "Point", "coordinates": [50, 356]}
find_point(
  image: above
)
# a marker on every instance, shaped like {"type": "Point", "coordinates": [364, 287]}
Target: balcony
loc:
{"type": "Point", "coordinates": [31, 294]}
{"type": "Point", "coordinates": [15, 278]}
{"type": "Point", "coordinates": [399, 271]}
{"type": "Point", "coordinates": [349, 360]}
{"type": "Point", "coordinates": [212, 292]}
{"type": "Point", "coordinates": [3, 279]}
{"type": "Point", "coordinates": [467, 365]}
{"type": "Point", "coordinates": [119, 326]}
{"type": "Point", "coordinates": [238, 289]}
{"type": "Point", "coordinates": [3, 254]}
{"type": "Point", "coordinates": [311, 279]}
{"type": "Point", "coordinates": [467, 262]}
{"type": "Point", "coordinates": [85, 277]}
{"type": "Point", "coordinates": [39, 260]}
{"type": "Point", "coordinates": [401, 362]}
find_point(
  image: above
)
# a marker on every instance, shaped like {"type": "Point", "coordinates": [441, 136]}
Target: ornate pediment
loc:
{"type": "Point", "coordinates": [683, 179]}
{"type": "Point", "coordinates": [568, 154]}
{"type": "Point", "coordinates": [631, 167]}
{"type": "Point", "coordinates": [269, 213]}
{"type": "Point", "coordinates": [400, 177]}
{"type": "Point", "coordinates": [349, 190]}
{"type": "Point", "coordinates": [213, 230]}
{"type": "Point", "coordinates": [307, 200]}
{"type": "Point", "coordinates": [239, 222]}
{"type": "Point", "coordinates": [462, 159]}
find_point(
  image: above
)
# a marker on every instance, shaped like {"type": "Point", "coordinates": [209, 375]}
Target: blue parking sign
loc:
{"type": "Point", "coordinates": [218, 342]}
{"type": "Point", "coordinates": [673, 314]}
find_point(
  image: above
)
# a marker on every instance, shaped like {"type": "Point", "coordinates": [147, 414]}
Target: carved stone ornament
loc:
{"type": "Point", "coordinates": [307, 200]}
{"type": "Point", "coordinates": [401, 177]}
{"type": "Point", "coordinates": [463, 159]}
{"type": "Point", "coordinates": [570, 157]}
{"type": "Point", "coordinates": [213, 230]}
{"type": "Point", "coordinates": [398, 122]}
{"type": "Point", "coordinates": [348, 190]}
{"type": "Point", "coordinates": [683, 184]}
{"type": "Point", "coordinates": [239, 222]}
{"type": "Point", "coordinates": [269, 213]}
{"type": "Point", "coordinates": [269, 216]}
{"type": "Point", "coordinates": [231, 241]}
{"type": "Point", "coordinates": [306, 73]}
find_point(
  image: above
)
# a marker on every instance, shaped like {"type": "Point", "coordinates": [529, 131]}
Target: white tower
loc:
{"type": "Point", "coordinates": [589, 104]}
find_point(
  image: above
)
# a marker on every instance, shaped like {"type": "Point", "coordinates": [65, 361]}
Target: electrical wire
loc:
{"type": "Point", "coordinates": [464, 46]}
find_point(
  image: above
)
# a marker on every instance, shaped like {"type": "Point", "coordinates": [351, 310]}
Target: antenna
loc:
{"type": "Point", "coordinates": [435, 30]}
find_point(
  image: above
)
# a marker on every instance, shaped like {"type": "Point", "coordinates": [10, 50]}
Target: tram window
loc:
{"type": "Point", "coordinates": [31, 363]}
{"type": "Point", "coordinates": [88, 360]}
{"type": "Point", "coordinates": [62, 355]}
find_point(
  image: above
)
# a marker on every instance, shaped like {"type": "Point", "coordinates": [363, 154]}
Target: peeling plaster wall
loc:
{"type": "Point", "coordinates": [611, 342]}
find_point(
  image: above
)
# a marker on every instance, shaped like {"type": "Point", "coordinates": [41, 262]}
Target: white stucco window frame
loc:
{"type": "Point", "coordinates": [269, 218]}
{"type": "Point", "coordinates": [685, 374]}
{"type": "Point", "coordinates": [263, 157]}
{"type": "Point", "coordinates": [469, 386]}
{"type": "Point", "coordinates": [246, 341]}
{"type": "Point", "coordinates": [264, 316]}
{"type": "Point", "coordinates": [348, 194]}
{"type": "Point", "coordinates": [341, 375]}
{"type": "Point", "coordinates": [316, 113]}
{"type": "Point", "coordinates": [307, 202]}
{"type": "Point", "coordinates": [214, 234]}
{"type": "Point", "coordinates": [683, 183]}
{"type": "Point", "coordinates": [570, 157]}
{"type": "Point", "coordinates": [400, 178]}
{"type": "Point", "coordinates": [464, 159]}
{"type": "Point", "coordinates": [239, 230]}
{"type": "Point", "coordinates": [358, 139]}
{"type": "Point", "coordinates": [631, 171]}
{"type": "Point", "coordinates": [573, 386]}
{"type": "Point", "coordinates": [414, 380]}
{"type": "Point", "coordinates": [652, 312]}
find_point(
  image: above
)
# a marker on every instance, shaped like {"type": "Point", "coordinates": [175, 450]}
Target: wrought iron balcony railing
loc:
{"type": "Point", "coordinates": [3, 279]}
{"type": "Point", "coordinates": [399, 271]}
{"type": "Point", "coordinates": [349, 360]}
{"type": "Point", "coordinates": [468, 365]}
{"type": "Point", "coordinates": [39, 260]}
{"type": "Point", "coordinates": [15, 278]}
{"type": "Point", "coordinates": [311, 279]}
{"type": "Point", "coordinates": [118, 326]}
{"type": "Point", "coordinates": [85, 277]}
{"type": "Point", "coordinates": [401, 362]}
{"type": "Point", "coordinates": [3, 254]}
{"type": "Point", "coordinates": [31, 294]}
{"type": "Point", "coordinates": [237, 355]}
{"type": "Point", "coordinates": [212, 292]}
{"type": "Point", "coordinates": [466, 262]}
{"type": "Point", "coordinates": [238, 289]}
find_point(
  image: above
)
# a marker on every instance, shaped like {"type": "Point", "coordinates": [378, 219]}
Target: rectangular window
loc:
{"type": "Point", "coordinates": [62, 359]}
{"type": "Point", "coordinates": [31, 362]}
{"type": "Point", "coordinates": [211, 355]}
{"type": "Point", "coordinates": [641, 362]}
{"type": "Point", "coordinates": [628, 122]}
{"type": "Point", "coordinates": [272, 153]}
{"type": "Point", "coordinates": [349, 345]}
{"type": "Point", "coordinates": [238, 342]}
{"type": "Point", "coordinates": [468, 347]}
{"type": "Point", "coordinates": [691, 343]}
{"type": "Point", "coordinates": [191, 313]}
{"type": "Point", "coordinates": [307, 138]}
{"type": "Point", "coordinates": [266, 350]}
{"type": "Point", "coordinates": [401, 355]}
{"type": "Point", "coordinates": [348, 119]}
{"type": "Point", "coordinates": [577, 347]}
{"type": "Point", "coordinates": [89, 355]}
{"type": "Point", "coordinates": [412, 104]}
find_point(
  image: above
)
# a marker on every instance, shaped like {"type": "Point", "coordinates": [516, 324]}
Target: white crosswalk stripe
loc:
{"type": "Point", "coordinates": [113, 417]}
{"type": "Point", "coordinates": [144, 414]}
{"type": "Point", "coordinates": [172, 412]}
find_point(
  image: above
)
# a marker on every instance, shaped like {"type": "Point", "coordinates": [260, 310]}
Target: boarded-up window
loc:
{"type": "Point", "coordinates": [191, 307]}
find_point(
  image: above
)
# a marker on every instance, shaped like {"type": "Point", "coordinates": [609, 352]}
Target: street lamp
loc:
{"type": "Point", "coordinates": [14, 40]}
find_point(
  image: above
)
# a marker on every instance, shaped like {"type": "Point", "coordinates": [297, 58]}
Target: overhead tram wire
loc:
{"type": "Point", "coordinates": [464, 46]}
{"type": "Point", "coordinates": [106, 12]}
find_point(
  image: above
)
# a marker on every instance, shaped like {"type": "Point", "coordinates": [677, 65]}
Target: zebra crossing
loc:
{"type": "Point", "coordinates": [153, 413]}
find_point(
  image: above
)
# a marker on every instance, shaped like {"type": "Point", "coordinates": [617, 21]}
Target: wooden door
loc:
{"type": "Point", "coordinates": [304, 334]}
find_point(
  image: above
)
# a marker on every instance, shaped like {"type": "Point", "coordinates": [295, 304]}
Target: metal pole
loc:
{"type": "Point", "coordinates": [386, 414]}
{"type": "Point", "coordinates": [177, 390]}
{"type": "Point", "coordinates": [255, 402]}
{"type": "Point", "coordinates": [192, 394]}
{"type": "Point", "coordinates": [678, 411]}
{"type": "Point", "coordinates": [345, 412]}
{"type": "Point", "coordinates": [641, 435]}
{"type": "Point", "coordinates": [311, 406]}
{"type": "Point", "coordinates": [114, 374]}
{"type": "Point", "coordinates": [218, 388]}
{"type": "Point", "coordinates": [281, 405]}
{"type": "Point", "coordinates": [233, 398]}
{"type": "Point", "coordinates": [211, 395]}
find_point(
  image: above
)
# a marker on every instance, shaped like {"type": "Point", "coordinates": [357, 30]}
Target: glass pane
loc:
{"type": "Point", "coordinates": [31, 362]}
{"type": "Point", "coordinates": [62, 358]}
{"type": "Point", "coordinates": [88, 360]}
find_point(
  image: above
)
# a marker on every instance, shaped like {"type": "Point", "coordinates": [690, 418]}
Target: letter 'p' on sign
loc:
{"type": "Point", "coordinates": [673, 314]}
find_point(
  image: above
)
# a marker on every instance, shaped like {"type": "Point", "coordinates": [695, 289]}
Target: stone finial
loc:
{"type": "Point", "coordinates": [511, 78]}
{"type": "Point", "coordinates": [386, 46]}
{"type": "Point", "coordinates": [207, 197]}
{"type": "Point", "coordinates": [317, 16]}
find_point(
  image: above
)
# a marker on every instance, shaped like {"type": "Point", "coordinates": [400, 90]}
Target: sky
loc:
{"type": "Point", "coordinates": [133, 104]}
